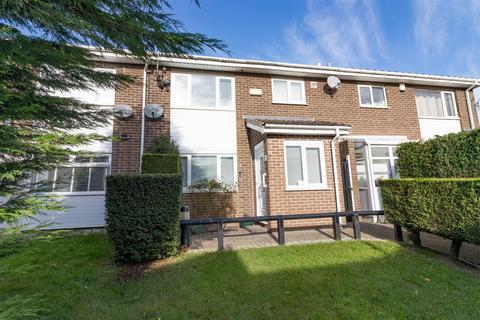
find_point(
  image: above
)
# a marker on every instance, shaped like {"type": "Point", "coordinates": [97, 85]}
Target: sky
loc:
{"type": "Point", "coordinates": [422, 36]}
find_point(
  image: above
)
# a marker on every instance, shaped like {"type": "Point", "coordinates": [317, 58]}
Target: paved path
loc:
{"type": "Point", "coordinates": [257, 236]}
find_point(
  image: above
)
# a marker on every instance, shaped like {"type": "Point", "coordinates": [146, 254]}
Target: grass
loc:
{"type": "Point", "coordinates": [70, 277]}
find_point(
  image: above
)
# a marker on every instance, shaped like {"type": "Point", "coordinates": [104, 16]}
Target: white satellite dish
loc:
{"type": "Point", "coordinates": [333, 82]}
{"type": "Point", "coordinates": [122, 111]}
{"type": "Point", "coordinates": [153, 111]}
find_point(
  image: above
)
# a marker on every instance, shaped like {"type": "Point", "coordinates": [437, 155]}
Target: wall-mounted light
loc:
{"type": "Point", "coordinates": [401, 87]}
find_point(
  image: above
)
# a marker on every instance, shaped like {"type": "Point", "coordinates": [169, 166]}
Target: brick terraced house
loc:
{"type": "Point", "coordinates": [287, 141]}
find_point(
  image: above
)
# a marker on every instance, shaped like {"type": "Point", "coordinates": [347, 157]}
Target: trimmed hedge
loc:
{"type": "Point", "coordinates": [142, 216]}
{"type": "Point", "coordinates": [455, 155]}
{"type": "Point", "coordinates": [161, 164]}
{"type": "Point", "coordinates": [446, 207]}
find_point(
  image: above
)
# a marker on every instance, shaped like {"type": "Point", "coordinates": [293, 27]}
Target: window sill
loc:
{"type": "Point", "coordinates": [307, 189]}
{"type": "Point", "coordinates": [440, 118]}
{"type": "Point", "coordinates": [187, 191]}
{"type": "Point", "coordinates": [291, 103]}
{"type": "Point", "coordinates": [75, 193]}
{"type": "Point", "coordinates": [367, 106]}
{"type": "Point", "coordinates": [205, 108]}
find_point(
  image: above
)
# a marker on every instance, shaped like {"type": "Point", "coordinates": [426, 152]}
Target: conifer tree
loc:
{"type": "Point", "coordinates": [45, 48]}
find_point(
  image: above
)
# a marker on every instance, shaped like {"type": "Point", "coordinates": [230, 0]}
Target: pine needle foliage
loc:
{"type": "Point", "coordinates": [46, 49]}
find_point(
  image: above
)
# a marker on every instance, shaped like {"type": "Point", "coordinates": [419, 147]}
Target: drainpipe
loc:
{"type": "Point", "coordinates": [144, 102]}
{"type": "Point", "coordinates": [469, 104]}
{"type": "Point", "coordinates": [334, 163]}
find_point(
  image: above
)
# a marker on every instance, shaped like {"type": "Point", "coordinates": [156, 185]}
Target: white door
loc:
{"type": "Point", "coordinates": [260, 180]}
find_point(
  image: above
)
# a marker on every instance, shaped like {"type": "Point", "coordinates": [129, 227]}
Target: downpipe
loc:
{"type": "Point", "coordinates": [144, 102]}
{"type": "Point", "coordinates": [469, 104]}
{"type": "Point", "coordinates": [334, 165]}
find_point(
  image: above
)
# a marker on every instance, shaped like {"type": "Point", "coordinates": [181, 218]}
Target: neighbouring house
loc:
{"type": "Point", "coordinates": [287, 141]}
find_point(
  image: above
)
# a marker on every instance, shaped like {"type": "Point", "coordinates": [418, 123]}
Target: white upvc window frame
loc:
{"type": "Point", "coordinates": [304, 185]}
{"type": "Point", "coordinates": [72, 165]}
{"type": "Point", "coordinates": [219, 168]}
{"type": "Point", "coordinates": [189, 105]}
{"type": "Point", "coordinates": [289, 83]}
{"type": "Point", "coordinates": [444, 105]}
{"type": "Point", "coordinates": [371, 105]}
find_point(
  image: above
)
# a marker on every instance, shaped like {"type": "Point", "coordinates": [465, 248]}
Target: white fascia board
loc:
{"type": "Point", "coordinates": [301, 126]}
{"type": "Point", "coordinates": [378, 139]}
{"type": "Point", "coordinates": [256, 128]}
{"type": "Point", "coordinates": [309, 132]}
{"type": "Point", "coordinates": [300, 70]}
{"type": "Point", "coordinates": [301, 130]}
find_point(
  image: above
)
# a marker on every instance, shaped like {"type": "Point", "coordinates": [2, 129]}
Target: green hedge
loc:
{"type": "Point", "coordinates": [446, 207]}
{"type": "Point", "coordinates": [453, 155]}
{"type": "Point", "coordinates": [161, 164]}
{"type": "Point", "coordinates": [142, 216]}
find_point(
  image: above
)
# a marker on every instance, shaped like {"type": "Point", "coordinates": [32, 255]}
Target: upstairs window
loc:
{"type": "Point", "coordinates": [436, 104]}
{"type": "Point", "coordinates": [372, 96]}
{"type": "Point", "coordinates": [202, 91]}
{"type": "Point", "coordinates": [288, 91]}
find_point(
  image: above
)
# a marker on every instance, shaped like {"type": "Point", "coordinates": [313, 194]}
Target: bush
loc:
{"type": "Point", "coordinates": [446, 207]}
{"type": "Point", "coordinates": [453, 155]}
{"type": "Point", "coordinates": [142, 216]}
{"type": "Point", "coordinates": [161, 164]}
{"type": "Point", "coordinates": [164, 145]}
{"type": "Point", "coordinates": [213, 198]}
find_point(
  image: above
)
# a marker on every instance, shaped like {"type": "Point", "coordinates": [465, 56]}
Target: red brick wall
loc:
{"type": "Point", "coordinates": [343, 107]}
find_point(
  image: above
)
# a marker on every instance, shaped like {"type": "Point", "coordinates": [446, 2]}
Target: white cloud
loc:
{"type": "Point", "coordinates": [450, 31]}
{"type": "Point", "coordinates": [344, 33]}
{"type": "Point", "coordinates": [431, 25]}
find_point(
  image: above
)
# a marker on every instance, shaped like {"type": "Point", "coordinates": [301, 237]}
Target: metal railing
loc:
{"type": "Point", "coordinates": [280, 219]}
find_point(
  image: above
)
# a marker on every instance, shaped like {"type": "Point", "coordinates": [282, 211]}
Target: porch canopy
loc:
{"type": "Point", "coordinates": [295, 126]}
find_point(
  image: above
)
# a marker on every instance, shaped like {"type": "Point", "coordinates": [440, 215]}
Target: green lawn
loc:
{"type": "Point", "coordinates": [70, 277]}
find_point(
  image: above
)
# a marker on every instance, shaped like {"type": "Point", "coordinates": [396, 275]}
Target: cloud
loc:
{"type": "Point", "coordinates": [449, 31]}
{"type": "Point", "coordinates": [343, 32]}
{"type": "Point", "coordinates": [431, 25]}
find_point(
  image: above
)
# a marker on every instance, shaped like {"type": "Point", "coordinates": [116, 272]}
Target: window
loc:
{"type": "Point", "coordinates": [202, 91]}
{"type": "Point", "coordinates": [305, 165]}
{"type": "Point", "coordinates": [208, 167]}
{"type": "Point", "coordinates": [437, 104]}
{"type": "Point", "coordinates": [384, 166]}
{"type": "Point", "coordinates": [384, 161]}
{"type": "Point", "coordinates": [288, 91]}
{"type": "Point", "coordinates": [372, 96]}
{"type": "Point", "coordinates": [81, 175]}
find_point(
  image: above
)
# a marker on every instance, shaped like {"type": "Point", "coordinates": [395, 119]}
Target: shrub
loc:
{"type": "Point", "coordinates": [142, 216]}
{"type": "Point", "coordinates": [163, 144]}
{"type": "Point", "coordinates": [213, 198]}
{"type": "Point", "coordinates": [161, 164]}
{"type": "Point", "coordinates": [453, 155]}
{"type": "Point", "coordinates": [446, 207]}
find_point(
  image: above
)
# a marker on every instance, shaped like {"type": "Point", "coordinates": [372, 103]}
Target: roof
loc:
{"type": "Point", "coordinates": [295, 126]}
{"type": "Point", "coordinates": [291, 69]}
{"type": "Point", "coordinates": [298, 121]}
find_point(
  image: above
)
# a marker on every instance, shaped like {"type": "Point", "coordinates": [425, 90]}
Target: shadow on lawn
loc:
{"type": "Point", "coordinates": [363, 280]}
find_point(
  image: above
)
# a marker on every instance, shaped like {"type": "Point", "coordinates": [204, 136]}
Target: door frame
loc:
{"type": "Point", "coordinates": [257, 148]}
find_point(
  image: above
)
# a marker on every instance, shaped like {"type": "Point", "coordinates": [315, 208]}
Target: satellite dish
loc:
{"type": "Point", "coordinates": [122, 111]}
{"type": "Point", "coordinates": [153, 111]}
{"type": "Point", "coordinates": [333, 82]}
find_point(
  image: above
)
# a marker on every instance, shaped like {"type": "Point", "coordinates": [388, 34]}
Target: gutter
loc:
{"type": "Point", "coordinates": [469, 104]}
{"type": "Point", "coordinates": [334, 164]}
{"type": "Point", "coordinates": [304, 70]}
{"type": "Point", "coordinates": [144, 102]}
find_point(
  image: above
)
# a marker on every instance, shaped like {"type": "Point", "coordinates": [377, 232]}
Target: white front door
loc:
{"type": "Point", "coordinates": [260, 180]}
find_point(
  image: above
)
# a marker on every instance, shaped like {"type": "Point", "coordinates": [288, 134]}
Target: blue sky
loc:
{"type": "Point", "coordinates": [427, 36]}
